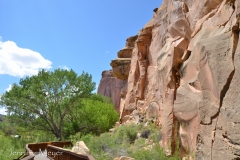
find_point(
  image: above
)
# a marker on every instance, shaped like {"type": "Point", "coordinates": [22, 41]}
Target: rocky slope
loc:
{"type": "Point", "coordinates": [185, 74]}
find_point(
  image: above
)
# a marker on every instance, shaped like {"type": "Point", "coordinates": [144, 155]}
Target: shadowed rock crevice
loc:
{"type": "Point", "coordinates": [226, 87]}
{"type": "Point", "coordinates": [235, 42]}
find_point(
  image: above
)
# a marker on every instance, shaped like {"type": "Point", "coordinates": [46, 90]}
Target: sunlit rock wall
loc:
{"type": "Point", "coordinates": [185, 73]}
{"type": "Point", "coordinates": [112, 87]}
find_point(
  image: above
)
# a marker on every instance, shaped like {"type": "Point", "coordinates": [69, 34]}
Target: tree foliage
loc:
{"type": "Point", "coordinates": [95, 115]}
{"type": "Point", "coordinates": [45, 100]}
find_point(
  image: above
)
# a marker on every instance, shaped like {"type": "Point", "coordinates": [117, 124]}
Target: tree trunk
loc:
{"type": "Point", "coordinates": [58, 135]}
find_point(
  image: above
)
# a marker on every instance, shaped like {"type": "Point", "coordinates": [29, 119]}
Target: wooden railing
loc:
{"type": "Point", "coordinates": [29, 154]}
{"type": "Point", "coordinates": [57, 153]}
{"type": "Point", "coordinates": [54, 150]}
{"type": "Point", "coordinates": [36, 147]}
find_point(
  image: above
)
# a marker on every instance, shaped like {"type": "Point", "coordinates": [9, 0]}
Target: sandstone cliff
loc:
{"type": "Point", "coordinates": [185, 74]}
{"type": "Point", "coordinates": [112, 87]}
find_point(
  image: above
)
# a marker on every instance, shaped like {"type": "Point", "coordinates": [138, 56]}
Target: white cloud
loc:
{"type": "Point", "coordinates": [20, 62]}
{"type": "Point", "coordinates": [9, 88]}
{"type": "Point", "coordinates": [3, 111]}
{"type": "Point", "coordinates": [96, 89]}
{"type": "Point", "coordinates": [64, 67]}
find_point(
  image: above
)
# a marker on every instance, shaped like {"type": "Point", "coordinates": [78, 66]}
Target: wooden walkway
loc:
{"type": "Point", "coordinates": [41, 156]}
{"type": "Point", "coordinates": [51, 151]}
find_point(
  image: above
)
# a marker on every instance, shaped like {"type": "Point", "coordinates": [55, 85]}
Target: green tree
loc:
{"type": "Point", "coordinates": [7, 127]}
{"type": "Point", "coordinates": [45, 100]}
{"type": "Point", "coordinates": [95, 115]}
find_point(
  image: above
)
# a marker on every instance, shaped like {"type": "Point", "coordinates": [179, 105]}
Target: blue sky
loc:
{"type": "Point", "coordinates": [84, 35]}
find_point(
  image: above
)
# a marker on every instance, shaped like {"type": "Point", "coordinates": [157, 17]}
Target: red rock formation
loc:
{"type": "Point", "coordinates": [185, 70]}
{"type": "Point", "coordinates": [121, 68]}
{"type": "Point", "coordinates": [121, 65]}
{"type": "Point", "coordinates": [114, 83]}
{"type": "Point", "coordinates": [112, 87]}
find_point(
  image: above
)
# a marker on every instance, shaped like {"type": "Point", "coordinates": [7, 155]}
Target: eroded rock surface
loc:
{"type": "Point", "coordinates": [121, 68]}
{"type": "Point", "coordinates": [112, 87]}
{"type": "Point", "coordinates": [114, 83]}
{"type": "Point", "coordinates": [185, 74]}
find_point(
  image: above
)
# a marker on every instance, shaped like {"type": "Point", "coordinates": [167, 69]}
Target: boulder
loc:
{"type": "Point", "coordinates": [126, 158]}
{"type": "Point", "coordinates": [81, 148]}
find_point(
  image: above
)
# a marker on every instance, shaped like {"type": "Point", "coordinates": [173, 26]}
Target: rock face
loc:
{"type": "Point", "coordinates": [121, 65]}
{"type": "Point", "coordinates": [114, 83]}
{"type": "Point", "coordinates": [121, 68]}
{"type": "Point", "coordinates": [185, 73]}
{"type": "Point", "coordinates": [112, 87]}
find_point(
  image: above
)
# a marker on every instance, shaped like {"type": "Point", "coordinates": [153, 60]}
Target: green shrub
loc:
{"type": "Point", "coordinates": [127, 133]}
{"type": "Point", "coordinates": [14, 147]}
{"type": "Point", "coordinates": [156, 153]}
{"type": "Point", "coordinates": [93, 115]}
{"type": "Point", "coordinates": [97, 116]}
{"type": "Point", "coordinates": [124, 142]}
